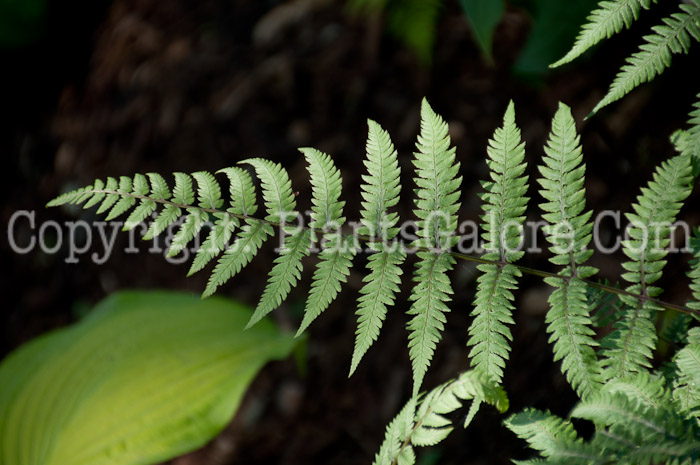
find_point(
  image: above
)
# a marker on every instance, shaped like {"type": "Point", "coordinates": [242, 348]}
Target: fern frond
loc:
{"type": "Point", "coordinates": [338, 251]}
{"type": "Point", "coordinates": [436, 204]}
{"type": "Point", "coordinates": [629, 347]}
{"type": "Point", "coordinates": [422, 422]}
{"type": "Point", "coordinates": [674, 36]}
{"type": "Point", "coordinates": [569, 232]}
{"type": "Point", "coordinates": [552, 436]}
{"type": "Point", "coordinates": [431, 291]}
{"type": "Point", "coordinates": [686, 390]}
{"type": "Point", "coordinates": [168, 215]}
{"type": "Point", "coordinates": [627, 431]}
{"type": "Point", "coordinates": [380, 191]}
{"type": "Point", "coordinates": [504, 204]}
{"type": "Point", "coordinates": [208, 190]}
{"type": "Point", "coordinates": [642, 388]}
{"type": "Point", "coordinates": [195, 220]}
{"type": "Point", "coordinates": [243, 203]}
{"type": "Point", "coordinates": [625, 418]}
{"type": "Point", "coordinates": [609, 18]}
{"type": "Point", "coordinates": [98, 196]}
{"type": "Point", "coordinates": [242, 191]}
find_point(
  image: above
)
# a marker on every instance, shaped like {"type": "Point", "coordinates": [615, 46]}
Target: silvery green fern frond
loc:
{"type": "Point", "coordinates": [326, 215]}
{"type": "Point", "coordinates": [237, 231]}
{"type": "Point", "coordinates": [674, 36]}
{"type": "Point", "coordinates": [627, 431]}
{"type": "Point", "coordinates": [380, 192]}
{"type": "Point", "coordinates": [609, 18]}
{"type": "Point", "coordinates": [629, 347]}
{"type": "Point", "coordinates": [569, 232]}
{"type": "Point", "coordinates": [504, 204]}
{"type": "Point", "coordinates": [436, 201]}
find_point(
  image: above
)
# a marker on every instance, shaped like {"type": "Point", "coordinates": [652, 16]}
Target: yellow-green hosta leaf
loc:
{"type": "Point", "coordinates": [145, 377]}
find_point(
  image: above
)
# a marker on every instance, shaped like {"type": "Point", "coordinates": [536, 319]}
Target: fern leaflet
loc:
{"type": "Point", "coordinates": [627, 431]}
{"type": "Point", "coordinates": [504, 203]}
{"type": "Point", "coordinates": [380, 191]}
{"type": "Point", "coordinates": [673, 36]}
{"type": "Point", "coordinates": [628, 348]}
{"type": "Point", "coordinates": [326, 214]}
{"type": "Point", "coordinates": [285, 273]}
{"type": "Point", "coordinates": [569, 232]}
{"type": "Point", "coordinates": [606, 20]}
{"type": "Point", "coordinates": [547, 433]}
{"type": "Point", "coordinates": [436, 201]}
{"type": "Point", "coordinates": [686, 390]}
{"type": "Point", "coordinates": [642, 389]}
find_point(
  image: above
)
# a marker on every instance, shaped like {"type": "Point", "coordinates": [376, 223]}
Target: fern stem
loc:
{"type": "Point", "coordinates": [461, 256]}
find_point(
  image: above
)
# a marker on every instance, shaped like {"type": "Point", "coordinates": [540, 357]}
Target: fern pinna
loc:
{"type": "Point", "coordinates": [674, 35]}
{"type": "Point", "coordinates": [504, 205]}
{"type": "Point", "coordinates": [640, 415]}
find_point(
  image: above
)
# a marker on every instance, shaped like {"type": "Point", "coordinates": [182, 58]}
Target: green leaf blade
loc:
{"type": "Point", "coordinates": [124, 386]}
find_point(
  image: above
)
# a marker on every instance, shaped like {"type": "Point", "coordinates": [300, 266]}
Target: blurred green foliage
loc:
{"type": "Point", "coordinates": [144, 377]}
{"type": "Point", "coordinates": [555, 24]}
{"type": "Point", "coordinates": [483, 17]}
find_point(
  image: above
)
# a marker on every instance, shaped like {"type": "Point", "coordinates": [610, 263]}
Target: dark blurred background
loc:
{"type": "Point", "coordinates": [100, 88]}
